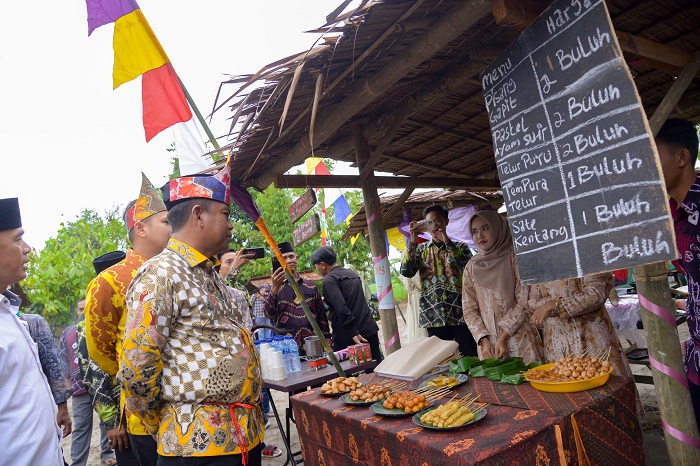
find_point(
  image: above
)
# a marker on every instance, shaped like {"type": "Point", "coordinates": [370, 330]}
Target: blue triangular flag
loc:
{"type": "Point", "coordinates": [341, 210]}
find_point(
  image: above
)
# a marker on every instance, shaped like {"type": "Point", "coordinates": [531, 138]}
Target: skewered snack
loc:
{"type": "Point", "coordinates": [452, 413]}
{"type": "Point", "coordinates": [570, 369]}
{"type": "Point", "coordinates": [410, 402]}
{"type": "Point", "coordinates": [443, 381]}
{"type": "Point", "coordinates": [371, 392]}
{"type": "Point", "coordinates": [340, 385]}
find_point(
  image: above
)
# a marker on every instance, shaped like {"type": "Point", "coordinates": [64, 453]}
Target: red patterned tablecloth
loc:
{"type": "Point", "coordinates": [523, 427]}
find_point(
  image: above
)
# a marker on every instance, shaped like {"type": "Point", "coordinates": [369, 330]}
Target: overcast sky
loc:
{"type": "Point", "coordinates": [68, 142]}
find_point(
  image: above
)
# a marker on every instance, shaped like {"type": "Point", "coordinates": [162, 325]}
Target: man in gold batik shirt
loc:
{"type": "Point", "coordinates": [105, 313]}
{"type": "Point", "coordinates": [190, 371]}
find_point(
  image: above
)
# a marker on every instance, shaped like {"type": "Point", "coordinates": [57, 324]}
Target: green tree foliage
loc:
{"type": "Point", "coordinates": [59, 274]}
{"type": "Point", "coordinates": [274, 204]}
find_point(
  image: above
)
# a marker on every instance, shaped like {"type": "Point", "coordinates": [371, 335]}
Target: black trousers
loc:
{"type": "Point", "coordinates": [458, 333]}
{"type": "Point", "coordinates": [254, 459]}
{"type": "Point", "coordinates": [145, 448]}
{"type": "Point", "coordinates": [127, 457]}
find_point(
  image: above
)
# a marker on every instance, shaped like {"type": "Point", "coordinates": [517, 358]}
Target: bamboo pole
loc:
{"type": "Point", "coordinates": [663, 345]}
{"type": "Point", "coordinates": [675, 404]}
{"type": "Point", "coordinates": [380, 258]}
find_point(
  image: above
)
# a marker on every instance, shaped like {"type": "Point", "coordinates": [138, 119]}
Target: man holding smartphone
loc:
{"type": "Point", "coordinates": [440, 263]}
{"type": "Point", "coordinates": [284, 308]}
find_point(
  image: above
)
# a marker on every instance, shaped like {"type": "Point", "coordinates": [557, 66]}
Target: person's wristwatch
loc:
{"type": "Point", "coordinates": [233, 272]}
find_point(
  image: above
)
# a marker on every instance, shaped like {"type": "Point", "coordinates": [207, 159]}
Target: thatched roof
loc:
{"type": "Point", "coordinates": [421, 60]}
{"type": "Point", "coordinates": [419, 201]}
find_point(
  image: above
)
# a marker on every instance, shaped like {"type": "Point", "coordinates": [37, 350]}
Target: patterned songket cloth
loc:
{"type": "Point", "coordinates": [210, 368]}
{"type": "Point", "coordinates": [216, 187]}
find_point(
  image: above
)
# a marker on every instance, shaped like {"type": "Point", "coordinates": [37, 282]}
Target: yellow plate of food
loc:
{"type": "Point", "coordinates": [445, 380]}
{"type": "Point", "coordinates": [560, 384]}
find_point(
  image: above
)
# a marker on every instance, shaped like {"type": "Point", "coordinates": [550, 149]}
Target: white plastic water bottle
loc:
{"type": "Point", "coordinates": [287, 353]}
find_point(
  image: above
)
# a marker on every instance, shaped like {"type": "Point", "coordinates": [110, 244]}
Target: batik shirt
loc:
{"type": "Point", "coordinates": [105, 317]}
{"type": "Point", "coordinates": [440, 266]}
{"type": "Point", "coordinates": [686, 218]}
{"type": "Point", "coordinates": [48, 356]}
{"type": "Point", "coordinates": [104, 390]}
{"type": "Point", "coordinates": [186, 360]}
{"type": "Point", "coordinates": [68, 349]}
{"type": "Point", "coordinates": [285, 311]}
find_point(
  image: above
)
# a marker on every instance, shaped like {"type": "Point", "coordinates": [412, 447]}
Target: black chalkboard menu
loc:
{"type": "Point", "coordinates": [578, 167]}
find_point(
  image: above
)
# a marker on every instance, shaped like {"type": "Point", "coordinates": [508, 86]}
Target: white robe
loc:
{"type": "Point", "coordinates": [29, 435]}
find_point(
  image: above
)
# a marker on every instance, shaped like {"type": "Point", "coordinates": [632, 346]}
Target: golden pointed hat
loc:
{"type": "Point", "coordinates": [149, 202]}
{"type": "Point", "coordinates": [216, 187]}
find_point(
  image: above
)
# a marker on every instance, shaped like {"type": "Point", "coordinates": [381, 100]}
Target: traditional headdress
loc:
{"type": "Point", "coordinates": [286, 247]}
{"type": "Point", "coordinates": [105, 261]}
{"type": "Point", "coordinates": [149, 202]}
{"type": "Point", "coordinates": [10, 217]}
{"type": "Point", "coordinates": [216, 187]}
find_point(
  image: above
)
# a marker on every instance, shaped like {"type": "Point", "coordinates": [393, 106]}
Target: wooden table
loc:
{"type": "Point", "coordinates": [522, 426]}
{"type": "Point", "coordinates": [300, 381]}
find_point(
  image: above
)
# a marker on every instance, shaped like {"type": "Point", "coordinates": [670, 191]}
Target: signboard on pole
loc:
{"type": "Point", "coordinates": [307, 230]}
{"type": "Point", "coordinates": [302, 205]}
{"type": "Point", "coordinates": [580, 175]}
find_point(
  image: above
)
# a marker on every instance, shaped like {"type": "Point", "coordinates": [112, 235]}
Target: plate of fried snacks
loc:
{"type": "Point", "coordinates": [571, 374]}
{"type": "Point", "coordinates": [371, 393]}
{"type": "Point", "coordinates": [445, 380]}
{"type": "Point", "coordinates": [340, 386]}
{"type": "Point", "coordinates": [455, 414]}
{"type": "Point", "coordinates": [405, 403]}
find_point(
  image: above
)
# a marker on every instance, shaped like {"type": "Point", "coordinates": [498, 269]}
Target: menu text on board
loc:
{"type": "Point", "coordinates": [580, 177]}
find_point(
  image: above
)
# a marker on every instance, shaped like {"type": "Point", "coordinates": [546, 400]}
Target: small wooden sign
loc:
{"type": "Point", "coordinates": [580, 175]}
{"type": "Point", "coordinates": [307, 230]}
{"type": "Point", "coordinates": [302, 205]}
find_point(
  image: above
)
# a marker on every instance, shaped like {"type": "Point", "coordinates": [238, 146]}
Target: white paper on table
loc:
{"type": "Point", "coordinates": [414, 360]}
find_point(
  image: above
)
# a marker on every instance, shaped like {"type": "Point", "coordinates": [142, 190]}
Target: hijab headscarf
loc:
{"type": "Point", "coordinates": [492, 268]}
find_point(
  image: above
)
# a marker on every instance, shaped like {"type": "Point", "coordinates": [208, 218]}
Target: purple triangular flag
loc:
{"type": "Point", "coordinates": [101, 12]}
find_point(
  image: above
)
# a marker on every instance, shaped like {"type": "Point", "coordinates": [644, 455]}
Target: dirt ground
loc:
{"type": "Point", "coordinates": [654, 443]}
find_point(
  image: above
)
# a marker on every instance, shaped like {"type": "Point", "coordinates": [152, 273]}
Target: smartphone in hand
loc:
{"type": "Point", "coordinates": [275, 263]}
{"type": "Point", "coordinates": [424, 225]}
{"type": "Point", "coordinates": [255, 253]}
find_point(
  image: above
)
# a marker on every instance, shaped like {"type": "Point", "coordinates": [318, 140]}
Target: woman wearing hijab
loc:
{"type": "Point", "coordinates": [494, 301]}
{"type": "Point", "coordinates": [574, 319]}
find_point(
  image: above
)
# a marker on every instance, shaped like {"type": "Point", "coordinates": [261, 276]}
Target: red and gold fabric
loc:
{"type": "Point", "coordinates": [105, 318]}
{"type": "Point", "coordinates": [190, 371]}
